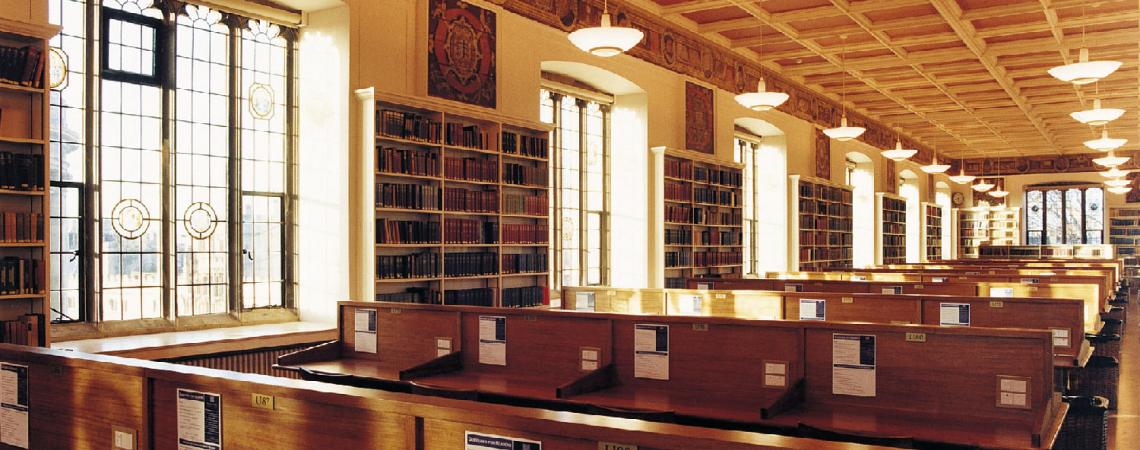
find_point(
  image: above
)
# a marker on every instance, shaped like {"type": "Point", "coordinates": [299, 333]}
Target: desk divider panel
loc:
{"type": "Point", "coordinates": [539, 346]}
{"type": "Point", "coordinates": [616, 300]}
{"type": "Point", "coordinates": [1087, 293]}
{"type": "Point", "coordinates": [765, 305]}
{"type": "Point", "coordinates": [1063, 317]}
{"type": "Point", "coordinates": [874, 308]}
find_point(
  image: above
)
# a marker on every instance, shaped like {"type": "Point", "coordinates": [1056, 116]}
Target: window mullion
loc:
{"type": "Point", "coordinates": [556, 161]}
{"type": "Point", "coordinates": [234, 180]}
{"type": "Point", "coordinates": [604, 218]}
{"type": "Point", "coordinates": [583, 186]}
{"type": "Point", "coordinates": [88, 245]}
{"type": "Point", "coordinates": [169, 44]}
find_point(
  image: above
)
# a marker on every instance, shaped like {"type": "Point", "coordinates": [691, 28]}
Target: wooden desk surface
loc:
{"type": "Point", "coordinates": [741, 407]}
{"type": "Point", "coordinates": [507, 384]}
{"type": "Point", "coordinates": [941, 429]}
{"type": "Point", "coordinates": [363, 368]}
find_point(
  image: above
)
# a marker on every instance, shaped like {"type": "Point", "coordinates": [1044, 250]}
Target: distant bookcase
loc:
{"type": "Point", "coordinates": [1124, 235]}
{"type": "Point", "coordinates": [890, 222]}
{"type": "Point", "coordinates": [704, 222]}
{"type": "Point", "coordinates": [973, 230]}
{"type": "Point", "coordinates": [1004, 226]}
{"type": "Point", "coordinates": [932, 221]}
{"type": "Point", "coordinates": [24, 194]}
{"type": "Point", "coordinates": [823, 224]}
{"type": "Point", "coordinates": [462, 205]}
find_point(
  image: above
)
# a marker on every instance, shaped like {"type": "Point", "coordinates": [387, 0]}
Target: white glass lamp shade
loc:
{"type": "Point", "coordinates": [1000, 193]}
{"type": "Point", "coordinates": [761, 100]}
{"type": "Point", "coordinates": [1111, 160]}
{"type": "Point", "coordinates": [1117, 182]}
{"type": "Point", "coordinates": [898, 153]}
{"type": "Point", "coordinates": [1097, 116]}
{"type": "Point", "coordinates": [844, 133]}
{"type": "Point", "coordinates": [1120, 190]}
{"type": "Point", "coordinates": [1105, 143]}
{"type": "Point", "coordinates": [934, 167]}
{"type": "Point", "coordinates": [962, 178]}
{"type": "Point", "coordinates": [982, 186]}
{"type": "Point", "coordinates": [1084, 71]}
{"type": "Point", "coordinates": [1113, 173]}
{"type": "Point", "coordinates": [606, 40]}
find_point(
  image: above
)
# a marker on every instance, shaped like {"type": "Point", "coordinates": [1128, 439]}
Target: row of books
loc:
{"type": "Point", "coordinates": [1126, 212]}
{"type": "Point", "coordinates": [678, 237]}
{"type": "Point", "coordinates": [470, 297]}
{"type": "Point", "coordinates": [411, 295]}
{"type": "Point", "coordinates": [716, 196]}
{"type": "Point", "coordinates": [679, 213]}
{"type": "Point", "coordinates": [524, 263]}
{"type": "Point", "coordinates": [526, 233]}
{"type": "Point", "coordinates": [516, 144]}
{"type": "Point", "coordinates": [390, 231]}
{"type": "Point", "coordinates": [716, 175]}
{"type": "Point", "coordinates": [705, 216]}
{"type": "Point", "coordinates": [824, 192]}
{"type": "Point", "coordinates": [678, 191]}
{"type": "Point", "coordinates": [707, 259]}
{"type": "Point", "coordinates": [407, 161]}
{"type": "Point", "coordinates": [20, 275]}
{"type": "Point", "coordinates": [678, 259]}
{"type": "Point", "coordinates": [1122, 241]}
{"type": "Point", "coordinates": [525, 297]}
{"type": "Point", "coordinates": [824, 208]}
{"type": "Point", "coordinates": [678, 168]}
{"type": "Point", "coordinates": [470, 264]}
{"type": "Point", "coordinates": [21, 227]}
{"type": "Point", "coordinates": [472, 169]}
{"type": "Point", "coordinates": [822, 266]}
{"type": "Point", "coordinates": [830, 238]}
{"type": "Point", "coordinates": [408, 125]}
{"type": "Point", "coordinates": [894, 241]}
{"type": "Point", "coordinates": [407, 196]}
{"type": "Point", "coordinates": [470, 232]}
{"type": "Point", "coordinates": [21, 172]}
{"type": "Point", "coordinates": [825, 223]}
{"type": "Point", "coordinates": [894, 228]}
{"type": "Point", "coordinates": [459, 199]}
{"type": "Point", "coordinates": [1124, 232]}
{"type": "Point", "coordinates": [27, 329]}
{"type": "Point", "coordinates": [419, 265]}
{"type": "Point", "coordinates": [895, 217]}
{"type": "Point", "coordinates": [22, 65]}
{"type": "Point", "coordinates": [1118, 222]}
{"type": "Point", "coordinates": [824, 254]}
{"type": "Point", "coordinates": [524, 175]}
{"type": "Point", "coordinates": [462, 135]}
{"type": "Point", "coordinates": [529, 204]}
{"type": "Point", "coordinates": [720, 237]}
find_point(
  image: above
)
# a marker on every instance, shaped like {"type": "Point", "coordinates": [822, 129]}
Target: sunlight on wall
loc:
{"type": "Point", "coordinates": [629, 211]}
{"type": "Point", "coordinates": [772, 204]}
{"type": "Point", "coordinates": [863, 210]}
{"type": "Point", "coordinates": [909, 191]}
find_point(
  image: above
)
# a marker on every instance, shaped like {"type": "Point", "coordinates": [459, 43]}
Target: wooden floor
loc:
{"type": "Point", "coordinates": [1124, 423]}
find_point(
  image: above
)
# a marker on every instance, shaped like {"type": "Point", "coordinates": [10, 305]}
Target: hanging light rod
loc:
{"type": "Point", "coordinates": [761, 100]}
{"type": "Point", "coordinates": [606, 40]}
{"type": "Point", "coordinates": [844, 133]}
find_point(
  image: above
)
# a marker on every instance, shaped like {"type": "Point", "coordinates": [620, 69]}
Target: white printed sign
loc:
{"type": "Point", "coordinates": [484, 441]}
{"type": "Point", "coordinates": [14, 405]}
{"type": "Point", "coordinates": [364, 332]}
{"type": "Point", "coordinates": [954, 314]}
{"type": "Point", "coordinates": [493, 340]}
{"type": "Point", "coordinates": [813, 309]}
{"type": "Point", "coordinates": [199, 420]}
{"type": "Point", "coordinates": [853, 365]}
{"type": "Point", "coordinates": [651, 351]}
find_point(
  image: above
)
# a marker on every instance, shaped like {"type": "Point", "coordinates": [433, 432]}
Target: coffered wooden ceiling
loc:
{"type": "Point", "coordinates": [966, 76]}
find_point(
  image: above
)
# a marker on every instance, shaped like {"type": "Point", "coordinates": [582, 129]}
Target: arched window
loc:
{"type": "Point", "coordinates": [1064, 214]}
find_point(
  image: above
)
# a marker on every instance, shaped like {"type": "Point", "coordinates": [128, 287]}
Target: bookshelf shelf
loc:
{"type": "Point", "coordinates": [459, 158]}
{"type": "Point", "coordinates": [1124, 235]}
{"type": "Point", "coordinates": [982, 225]}
{"type": "Point", "coordinates": [890, 221]}
{"type": "Point", "coordinates": [932, 219]}
{"type": "Point", "coordinates": [697, 187]}
{"type": "Point", "coordinates": [823, 224]}
{"type": "Point", "coordinates": [24, 269]}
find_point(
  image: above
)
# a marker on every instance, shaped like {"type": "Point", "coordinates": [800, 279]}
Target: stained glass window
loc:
{"type": "Point", "coordinates": [580, 151]}
{"type": "Point", "coordinates": [1034, 217]}
{"type": "Point", "coordinates": [1064, 215]}
{"type": "Point", "coordinates": [1094, 215]}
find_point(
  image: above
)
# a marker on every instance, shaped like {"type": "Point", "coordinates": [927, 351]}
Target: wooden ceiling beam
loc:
{"type": "Point", "coordinates": [1004, 10]}
{"type": "Point", "coordinates": [1051, 22]}
{"type": "Point", "coordinates": [1094, 40]}
{"type": "Point", "coordinates": [693, 6]}
{"type": "Point", "coordinates": [952, 13]}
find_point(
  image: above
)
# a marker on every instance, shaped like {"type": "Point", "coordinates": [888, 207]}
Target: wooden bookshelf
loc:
{"type": "Point", "coordinates": [973, 230]}
{"type": "Point", "coordinates": [1124, 235]}
{"type": "Point", "coordinates": [1053, 251]}
{"type": "Point", "coordinates": [1004, 226]}
{"type": "Point", "coordinates": [823, 224]}
{"type": "Point", "coordinates": [704, 217]}
{"type": "Point", "coordinates": [890, 229]}
{"type": "Point", "coordinates": [932, 221]}
{"type": "Point", "coordinates": [462, 205]}
{"type": "Point", "coordinates": [25, 127]}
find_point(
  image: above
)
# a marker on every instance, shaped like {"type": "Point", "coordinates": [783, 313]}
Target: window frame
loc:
{"type": "Point", "coordinates": [90, 224]}
{"type": "Point", "coordinates": [751, 224]}
{"type": "Point", "coordinates": [1062, 189]}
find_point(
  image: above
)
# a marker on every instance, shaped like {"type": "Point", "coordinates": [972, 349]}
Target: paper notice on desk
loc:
{"type": "Point", "coordinates": [493, 340]}
{"type": "Point", "coordinates": [484, 441]}
{"type": "Point", "coordinates": [584, 301]}
{"type": "Point", "coordinates": [14, 405]}
{"type": "Point", "coordinates": [651, 351]}
{"type": "Point", "coordinates": [813, 309]}
{"type": "Point", "coordinates": [364, 333]}
{"type": "Point", "coordinates": [690, 304]}
{"type": "Point", "coordinates": [199, 420]}
{"type": "Point", "coordinates": [954, 314]}
{"type": "Point", "coordinates": [853, 365]}
{"type": "Point", "coordinates": [1003, 292]}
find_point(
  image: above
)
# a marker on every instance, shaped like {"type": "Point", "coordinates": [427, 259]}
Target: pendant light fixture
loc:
{"type": "Point", "coordinates": [606, 40]}
{"type": "Point", "coordinates": [1000, 192]}
{"type": "Point", "coordinates": [898, 153]}
{"type": "Point", "coordinates": [1120, 190]}
{"type": "Point", "coordinates": [761, 100]}
{"type": "Point", "coordinates": [961, 177]}
{"type": "Point", "coordinates": [1113, 173]}
{"type": "Point", "coordinates": [982, 186]}
{"type": "Point", "coordinates": [1084, 71]}
{"type": "Point", "coordinates": [844, 133]}
{"type": "Point", "coordinates": [1111, 160]}
{"type": "Point", "coordinates": [1105, 143]}
{"type": "Point", "coordinates": [1117, 182]}
{"type": "Point", "coordinates": [934, 167]}
{"type": "Point", "coordinates": [1098, 115]}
